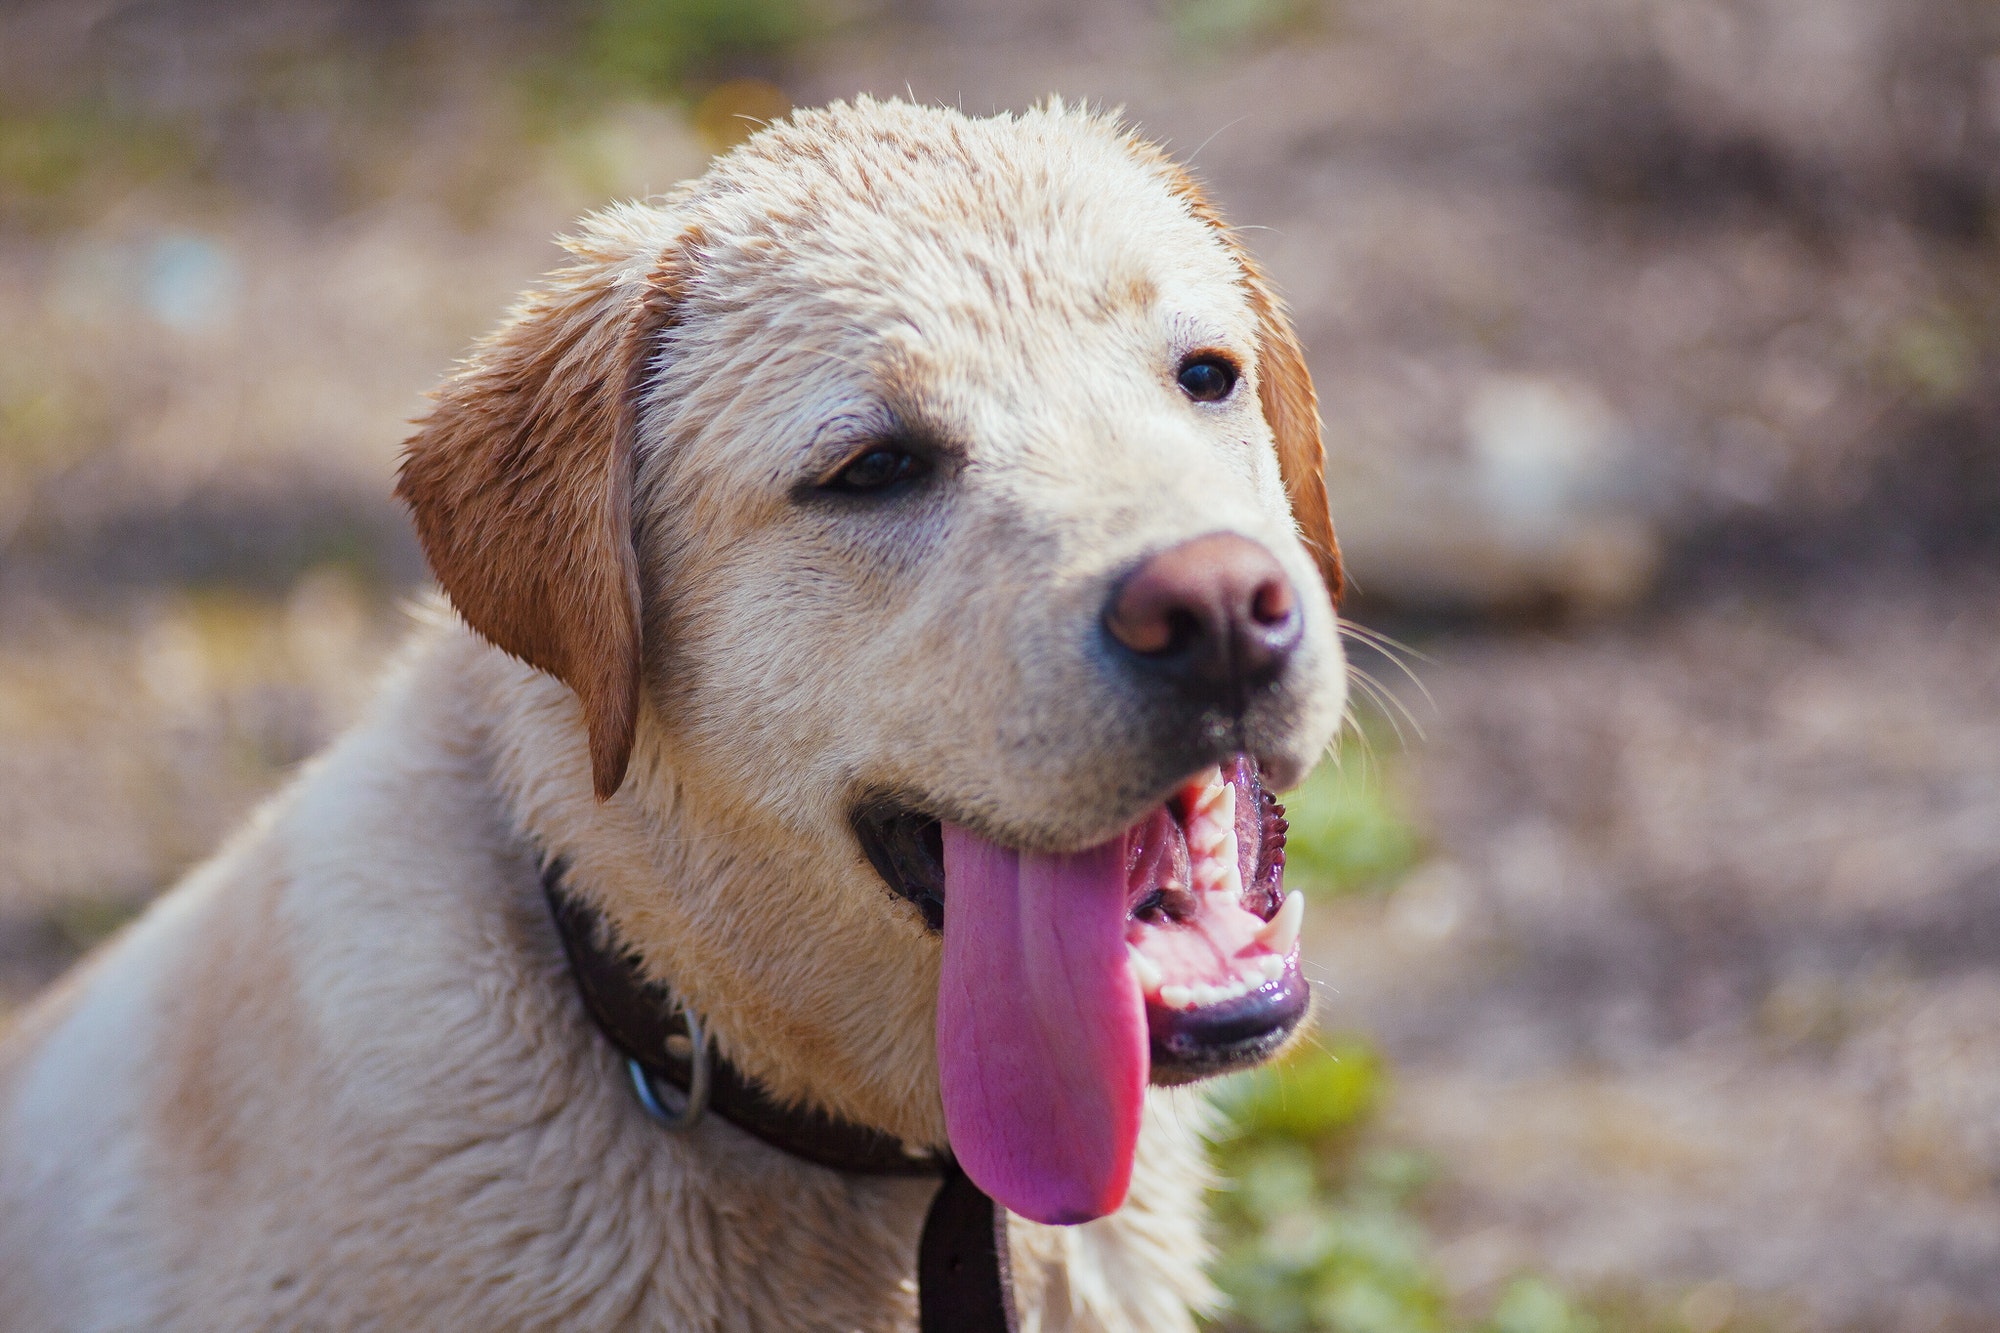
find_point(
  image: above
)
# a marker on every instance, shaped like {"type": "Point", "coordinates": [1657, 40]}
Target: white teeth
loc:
{"type": "Point", "coordinates": [1211, 822]}
{"type": "Point", "coordinates": [1144, 970]}
{"type": "Point", "coordinates": [1281, 932]}
{"type": "Point", "coordinates": [1211, 837]}
{"type": "Point", "coordinates": [1214, 868]}
{"type": "Point", "coordinates": [1201, 994]}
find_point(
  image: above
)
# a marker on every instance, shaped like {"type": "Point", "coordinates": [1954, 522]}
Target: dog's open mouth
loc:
{"type": "Point", "coordinates": [1165, 954]}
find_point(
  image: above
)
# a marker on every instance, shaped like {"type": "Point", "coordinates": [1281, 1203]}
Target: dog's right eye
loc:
{"type": "Point", "coordinates": [882, 468]}
{"type": "Point", "coordinates": [1207, 378]}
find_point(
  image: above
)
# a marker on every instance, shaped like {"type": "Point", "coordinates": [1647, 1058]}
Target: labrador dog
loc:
{"type": "Point", "coordinates": [890, 576]}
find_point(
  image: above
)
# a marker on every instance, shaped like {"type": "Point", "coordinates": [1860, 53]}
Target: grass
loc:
{"type": "Point", "coordinates": [659, 46]}
{"type": "Point", "coordinates": [1352, 828]}
{"type": "Point", "coordinates": [1319, 1227]}
{"type": "Point", "coordinates": [59, 164]}
{"type": "Point", "coordinates": [1216, 28]}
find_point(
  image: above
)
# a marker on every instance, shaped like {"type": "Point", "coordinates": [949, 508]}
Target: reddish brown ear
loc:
{"type": "Point", "coordinates": [1291, 406]}
{"type": "Point", "coordinates": [1284, 388]}
{"type": "Point", "coordinates": [520, 480]}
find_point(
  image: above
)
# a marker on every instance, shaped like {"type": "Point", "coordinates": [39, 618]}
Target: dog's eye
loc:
{"type": "Point", "coordinates": [1207, 379]}
{"type": "Point", "coordinates": [879, 469]}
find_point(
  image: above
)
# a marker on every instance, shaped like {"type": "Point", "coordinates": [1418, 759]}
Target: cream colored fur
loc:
{"type": "Point", "coordinates": [339, 1079]}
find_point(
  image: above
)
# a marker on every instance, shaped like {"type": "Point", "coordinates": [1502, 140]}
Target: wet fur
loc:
{"type": "Point", "coordinates": [338, 1079]}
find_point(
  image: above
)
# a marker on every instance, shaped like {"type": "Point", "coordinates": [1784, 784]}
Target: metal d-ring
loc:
{"type": "Point", "coordinates": [695, 1100]}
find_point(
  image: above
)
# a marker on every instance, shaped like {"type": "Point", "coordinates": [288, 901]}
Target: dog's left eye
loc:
{"type": "Point", "coordinates": [1207, 379]}
{"type": "Point", "coordinates": [879, 469]}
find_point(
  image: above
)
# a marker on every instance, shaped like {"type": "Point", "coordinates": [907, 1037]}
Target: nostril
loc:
{"type": "Point", "coordinates": [1143, 623]}
{"type": "Point", "coordinates": [1272, 605]}
{"type": "Point", "coordinates": [1184, 627]}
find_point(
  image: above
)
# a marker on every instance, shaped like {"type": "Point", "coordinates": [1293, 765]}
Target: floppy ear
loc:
{"type": "Point", "coordinates": [1284, 388]}
{"type": "Point", "coordinates": [520, 481]}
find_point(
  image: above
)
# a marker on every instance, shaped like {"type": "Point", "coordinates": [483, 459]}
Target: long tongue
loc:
{"type": "Point", "coordinates": [1041, 1028]}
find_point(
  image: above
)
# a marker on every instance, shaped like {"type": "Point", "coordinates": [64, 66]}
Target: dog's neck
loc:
{"type": "Point", "coordinates": [664, 1042]}
{"type": "Point", "coordinates": [964, 1283]}
{"type": "Point", "coordinates": [739, 914]}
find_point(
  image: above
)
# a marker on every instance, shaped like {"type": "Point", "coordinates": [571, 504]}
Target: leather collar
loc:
{"type": "Point", "coordinates": [963, 1283]}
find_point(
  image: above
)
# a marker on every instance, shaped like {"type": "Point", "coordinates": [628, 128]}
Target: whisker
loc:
{"type": "Point", "coordinates": [1324, 981]}
{"type": "Point", "coordinates": [1385, 643]}
{"type": "Point", "coordinates": [1393, 651]}
{"type": "Point", "coordinates": [1363, 741]}
{"type": "Point", "coordinates": [1386, 698]}
{"type": "Point", "coordinates": [1366, 688]}
{"type": "Point", "coordinates": [1211, 138]}
{"type": "Point", "coordinates": [1387, 705]}
{"type": "Point", "coordinates": [1350, 722]}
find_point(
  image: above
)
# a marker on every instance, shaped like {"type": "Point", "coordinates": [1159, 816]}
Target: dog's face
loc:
{"type": "Point", "coordinates": [949, 492]}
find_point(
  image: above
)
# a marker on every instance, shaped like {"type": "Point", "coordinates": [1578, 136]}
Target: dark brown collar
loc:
{"type": "Point", "coordinates": [962, 1260]}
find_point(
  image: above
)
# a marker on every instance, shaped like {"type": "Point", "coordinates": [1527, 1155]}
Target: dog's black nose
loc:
{"type": "Point", "coordinates": [1216, 614]}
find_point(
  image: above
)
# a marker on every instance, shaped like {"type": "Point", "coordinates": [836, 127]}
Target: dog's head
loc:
{"type": "Point", "coordinates": [939, 501]}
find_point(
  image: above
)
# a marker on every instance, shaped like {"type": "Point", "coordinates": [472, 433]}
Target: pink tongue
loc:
{"type": "Point", "coordinates": [1041, 1028]}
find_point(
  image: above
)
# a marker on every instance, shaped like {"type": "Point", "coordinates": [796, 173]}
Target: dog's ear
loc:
{"type": "Point", "coordinates": [1291, 406]}
{"type": "Point", "coordinates": [1284, 388]}
{"type": "Point", "coordinates": [520, 481]}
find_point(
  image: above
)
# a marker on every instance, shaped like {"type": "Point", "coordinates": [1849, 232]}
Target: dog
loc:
{"type": "Point", "coordinates": [888, 579]}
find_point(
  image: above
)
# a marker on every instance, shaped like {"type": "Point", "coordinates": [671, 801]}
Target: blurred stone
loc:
{"type": "Point", "coordinates": [1431, 904]}
{"type": "Point", "coordinates": [193, 284]}
{"type": "Point", "coordinates": [1437, 547]}
{"type": "Point", "coordinates": [1535, 514]}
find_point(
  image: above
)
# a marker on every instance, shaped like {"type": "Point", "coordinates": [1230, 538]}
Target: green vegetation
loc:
{"type": "Point", "coordinates": [58, 163]}
{"type": "Point", "coordinates": [658, 46]}
{"type": "Point", "coordinates": [1221, 27]}
{"type": "Point", "coordinates": [1318, 1231]}
{"type": "Point", "coordinates": [84, 923]}
{"type": "Point", "coordinates": [1351, 831]}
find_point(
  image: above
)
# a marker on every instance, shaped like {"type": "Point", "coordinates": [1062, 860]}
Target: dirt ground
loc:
{"type": "Point", "coordinates": [1701, 982]}
{"type": "Point", "coordinates": [1657, 353]}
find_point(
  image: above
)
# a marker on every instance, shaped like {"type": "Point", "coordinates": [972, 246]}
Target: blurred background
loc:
{"type": "Point", "coordinates": [1656, 895]}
